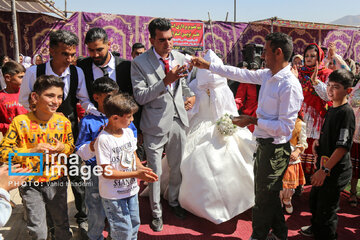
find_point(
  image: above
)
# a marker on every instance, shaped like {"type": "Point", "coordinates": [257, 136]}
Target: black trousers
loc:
{"type": "Point", "coordinates": [324, 203]}
{"type": "Point", "coordinates": [78, 189]}
{"type": "Point", "coordinates": [270, 165]}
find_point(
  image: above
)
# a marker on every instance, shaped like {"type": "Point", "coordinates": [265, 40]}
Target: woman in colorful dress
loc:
{"type": "Point", "coordinates": [314, 107]}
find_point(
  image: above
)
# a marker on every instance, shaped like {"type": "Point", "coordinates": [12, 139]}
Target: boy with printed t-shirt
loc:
{"type": "Point", "coordinates": [115, 153]}
{"type": "Point", "coordinates": [333, 159]}
{"type": "Point", "coordinates": [43, 132]}
{"type": "Point", "coordinates": [90, 127]}
{"type": "Point", "coordinates": [10, 107]}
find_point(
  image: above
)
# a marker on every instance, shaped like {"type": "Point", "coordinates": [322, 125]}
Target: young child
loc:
{"type": "Point", "coordinates": [42, 131]}
{"type": "Point", "coordinates": [90, 127]}
{"type": "Point", "coordinates": [333, 158]}
{"type": "Point", "coordinates": [115, 153]}
{"type": "Point", "coordinates": [294, 175]}
{"type": "Point", "coordinates": [10, 107]}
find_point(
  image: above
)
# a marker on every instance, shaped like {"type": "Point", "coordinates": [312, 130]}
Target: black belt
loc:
{"type": "Point", "coordinates": [265, 140]}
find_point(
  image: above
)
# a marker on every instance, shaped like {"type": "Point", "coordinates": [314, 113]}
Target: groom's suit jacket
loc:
{"type": "Point", "coordinates": [160, 103]}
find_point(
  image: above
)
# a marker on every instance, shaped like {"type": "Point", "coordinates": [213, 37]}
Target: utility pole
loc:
{"type": "Point", "coordinates": [65, 9]}
{"type": "Point", "coordinates": [15, 29]}
{"type": "Point", "coordinates": [234, 10]}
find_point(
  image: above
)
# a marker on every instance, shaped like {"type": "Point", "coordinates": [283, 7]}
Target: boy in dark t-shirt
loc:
{"type": "Point", "coordinates": [333, 158]}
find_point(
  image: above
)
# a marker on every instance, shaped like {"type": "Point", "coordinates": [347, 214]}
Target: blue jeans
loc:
{"type": "Point", "coordinates": [123, 216]}
{"type": "Point", "coordinates": [96, 213]}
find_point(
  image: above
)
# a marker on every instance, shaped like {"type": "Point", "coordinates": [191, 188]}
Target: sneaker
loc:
{"type": "Point", "coordinates": [272, 236]}
{"type": "Point", "coordinates": [353, 199]}
{"type": "Point", "coordinates": [156, 224]}
{"type": "Point", "coordinates": [83, 229]}
{"type": "Point", "coordinates": [288, 207]}
{"type": "Point", "coordinates": [307, 231]}
{"type": "Point", "coordinates": [84, 226]}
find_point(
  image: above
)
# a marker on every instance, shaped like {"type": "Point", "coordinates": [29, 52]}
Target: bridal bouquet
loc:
{"type": "Point", "coordinates": [225, 125]}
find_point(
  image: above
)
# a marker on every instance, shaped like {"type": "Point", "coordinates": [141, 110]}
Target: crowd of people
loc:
{"type": "Point", "coordinates": [156, 119]}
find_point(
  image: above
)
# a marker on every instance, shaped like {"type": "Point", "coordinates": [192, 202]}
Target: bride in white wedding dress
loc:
{"type": "Point", "coordinates": [217, 170]}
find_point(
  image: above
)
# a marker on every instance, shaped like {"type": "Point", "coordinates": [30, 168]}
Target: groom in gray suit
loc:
{"type": "Point", "coordinates": [159, 85]}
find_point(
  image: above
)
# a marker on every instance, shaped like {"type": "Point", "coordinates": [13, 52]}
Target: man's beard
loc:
{"type": "Point", "coordinates": [100, 61]}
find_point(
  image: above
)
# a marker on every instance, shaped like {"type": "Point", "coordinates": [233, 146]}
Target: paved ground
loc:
{"type": "Point", "coordinates": [15, 229]}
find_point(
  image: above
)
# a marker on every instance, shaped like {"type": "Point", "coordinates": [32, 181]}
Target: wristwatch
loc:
{"type": "Point", "coordinates": [326, 170]}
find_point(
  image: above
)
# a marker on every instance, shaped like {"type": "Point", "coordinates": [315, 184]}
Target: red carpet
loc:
{"type": "Point", "coordinates": [195, 228]}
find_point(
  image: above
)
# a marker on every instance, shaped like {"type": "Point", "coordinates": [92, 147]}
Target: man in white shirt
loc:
{"type": "Point", "coordinates": [62, 50]}
{"type": "Point", "coordinates": [280, 100]}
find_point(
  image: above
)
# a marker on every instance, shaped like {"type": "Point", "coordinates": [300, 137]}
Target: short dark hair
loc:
{"type": "Point", "coordinates": [2, 59]}
{"type": "Point", "coordinates": [45, 82]}
{"type": "Point", "coordinates": [63, 36]}
{"type": "Point", "coordinates": [161, 24]}
{"type": "Point", "coordinates": [11, 67]}
{"type": "Point", "coordinates": [96, 34]}
{"type": "Point", "coordinates": [283, 41]}
{"type": "Point", "coordinates": [104, 85]}
{"type": "Point", "coordinates": [188, 50]}
{"type": "Point", "coordinates": [119, 104]}
{"type": "Point", "coordinates": [137, 46]}
{"type": "Point", "coordinates": [342, 76]}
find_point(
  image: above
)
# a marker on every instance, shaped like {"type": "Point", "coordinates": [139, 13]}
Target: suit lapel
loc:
{"type": "Point", "coordinates": [156, 64]}
{"type": "Point", "coordinates": [177, 82]}
{"type": "Point", "coordinates": [158, 68]}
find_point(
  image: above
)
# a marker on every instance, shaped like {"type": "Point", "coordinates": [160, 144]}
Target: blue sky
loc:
{"type": "Point", "coordinates": [247, 10]}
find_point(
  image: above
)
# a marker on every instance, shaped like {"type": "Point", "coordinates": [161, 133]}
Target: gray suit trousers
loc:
{"type": "Point", "coordinates": [174, 143]}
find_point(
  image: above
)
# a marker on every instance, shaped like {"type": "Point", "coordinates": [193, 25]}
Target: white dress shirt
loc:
{"type": "Point", "coordinates": [110, 68]}
{"type": "Point", "coordinates": [29, 79]}
{"type": "Point", "coordinates": [5, 208]}
{"type": "Point", "coordinates": [2, 80]}
{"type": "Point", "coordinates": [279, 102]}
{"type": "Point", "coordinates": [172, 63]}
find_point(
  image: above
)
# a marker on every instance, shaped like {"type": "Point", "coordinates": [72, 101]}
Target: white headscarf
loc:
{"type": "Point", "coordinates": [34, 58]}
{"type": "Point", "coordinates": [26, 62]}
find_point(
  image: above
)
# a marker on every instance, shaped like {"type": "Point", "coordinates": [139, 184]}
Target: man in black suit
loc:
{"type": "Point", "coordinates": [104, 63]}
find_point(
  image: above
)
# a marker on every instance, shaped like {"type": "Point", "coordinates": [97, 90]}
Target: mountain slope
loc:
{"type": "Point", "coordinates": [353, 20]}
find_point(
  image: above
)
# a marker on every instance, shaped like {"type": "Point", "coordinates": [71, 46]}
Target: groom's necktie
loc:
{"type": "Point", "coordinates": [105, 72]}
{"type": "Point", "coordinates": [167, 69]}
{"type": "Point", "coordinates": [166, 63]}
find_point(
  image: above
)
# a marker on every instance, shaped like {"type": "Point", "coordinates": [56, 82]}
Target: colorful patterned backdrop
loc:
{"type": "Point", "coordinates": [223, 37]}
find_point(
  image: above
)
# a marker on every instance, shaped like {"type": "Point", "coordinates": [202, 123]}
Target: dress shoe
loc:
{"type": "Point", "coordinates": [156, 224]}
{"type": "Point", "coordinates": [179, 212]}
{"type": "Point", "coordinates": [307, 231]}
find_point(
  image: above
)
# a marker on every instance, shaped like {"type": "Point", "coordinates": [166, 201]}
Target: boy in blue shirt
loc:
{"type": "Point", "coordinates": [90, 127]}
